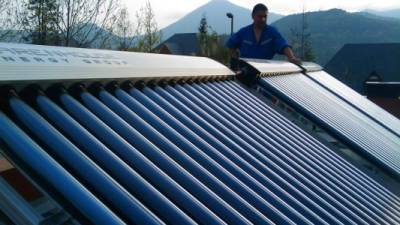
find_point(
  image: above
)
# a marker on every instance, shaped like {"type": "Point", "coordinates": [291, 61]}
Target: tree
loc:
{"type": "Point", "coordinates": [210, 44]}
{"type": "Point", "coordinates": [300, 40]}
{"type": "Point", "coordinates": [204, 39]}
{"type": "Point", "coordinates": [301, 44]}
{"type": "Point", "coordinates": [221, 53]}
{"type": "Point", "coordinates": [87, 23]}
{"type": "Point", "coordinates": [80, 23]}
{"type": "Point", "coordinates": [203, 27]}
{"type": "Point", "coordinates": [126, 30]}
{"type": "Point", "coordinates": [41, 21]}
{"type": "Point", "coordinates": [150, 35]}
{"type": "Point", "coordinates": [9, 22]}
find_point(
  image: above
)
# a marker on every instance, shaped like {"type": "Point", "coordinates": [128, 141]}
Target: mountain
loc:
{"type": "Point", "coordinates": [331, 29]}
{"type": "Point", "coordinates": [393, 13]}
{"type": "Point", "coordinates": [105, 39]}
{"type": "Point", "coordinates": [215, 11]}
{"type": "Point", "coordinates": [375, 16]}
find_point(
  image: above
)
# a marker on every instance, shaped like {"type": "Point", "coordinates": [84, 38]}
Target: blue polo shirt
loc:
{"type": "Point", "coordinates": [271, 42]}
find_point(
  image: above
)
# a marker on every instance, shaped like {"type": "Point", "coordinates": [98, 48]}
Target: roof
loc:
{"type": "Point", "coordinates": [178, 150]}
{"type": "Point", "coordinates": [383, 89]}
{"type": "Point", "coordinates": [354, 63]}
{"type": "Point", "coordinates": [182, 44]}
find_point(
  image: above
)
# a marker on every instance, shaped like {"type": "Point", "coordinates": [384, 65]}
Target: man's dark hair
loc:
{"type": "Point", "coordinates": [259, 7]}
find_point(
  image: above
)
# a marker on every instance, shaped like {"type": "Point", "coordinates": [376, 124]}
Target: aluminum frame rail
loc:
{"type": "Point", "coordinates": [341, 119]}
{"type": "Point", "coordinates": [16, 207]}
{"type": "Point", "coordinates": [353, 98]}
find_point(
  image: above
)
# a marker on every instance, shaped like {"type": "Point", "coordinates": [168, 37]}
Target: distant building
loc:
{"type": "Point", "coordinates": [180, 44]}
{"type": "Point", "coordinates": [384, 94]}
{"type": "Point", "coordinates": [354, 64]}
{"type": "Point", "coordinates": [185, 44]}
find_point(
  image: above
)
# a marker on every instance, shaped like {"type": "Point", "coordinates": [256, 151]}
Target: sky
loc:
{"type": "Point", "coordinates": [170, 11]}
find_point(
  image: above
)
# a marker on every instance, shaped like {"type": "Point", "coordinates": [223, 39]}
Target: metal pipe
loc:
{"type": "Point", "coordinates": [230, 16]}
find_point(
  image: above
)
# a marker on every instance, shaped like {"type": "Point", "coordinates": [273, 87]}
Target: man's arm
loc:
{"type": "Point", "coordinates": [287, 51]}
{"type": "Point", "coordinates": [283, 47]}
{"type": "Point", "coordinates": [233, 44]}
{"type": "Point", "coordinates": [234, 58]}
{"type": "Point", "coordinates": [234, 53]}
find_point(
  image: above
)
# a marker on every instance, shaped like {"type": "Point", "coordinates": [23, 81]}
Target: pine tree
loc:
{"type": "Point", "coordinates": [210, 44]}
{"type": "Point", "coordinates": [203, 37]}
{"type": "Point", "coordinates": [300, 40]}
{"type": "Point", "coordinates": [41, 22]}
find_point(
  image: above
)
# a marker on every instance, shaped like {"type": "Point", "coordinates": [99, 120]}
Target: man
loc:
{"type": "Point", "coordinates": [258, 40]}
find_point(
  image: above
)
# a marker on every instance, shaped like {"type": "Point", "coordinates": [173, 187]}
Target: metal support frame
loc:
{"type": "Point", "coordinates": [15, 207]}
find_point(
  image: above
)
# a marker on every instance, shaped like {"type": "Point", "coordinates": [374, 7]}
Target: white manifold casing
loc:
{"type": "Point", "coordinates": [272, 67]}
{"type": "Point", "coordinates": [27, 63]}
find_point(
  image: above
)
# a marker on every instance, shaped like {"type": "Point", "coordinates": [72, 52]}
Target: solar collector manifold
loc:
{"type": "Point", "coordinates": [220, 92]}
{"type": "Point", "coordinates": [151, 145]}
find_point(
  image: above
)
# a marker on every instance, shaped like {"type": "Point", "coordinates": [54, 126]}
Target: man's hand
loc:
{"type": "Point", "coordinates": [234, 61]}
{"type": "Point", "coordinates": [295, 60]}
{"type": "Point", "coordinates": [290, 56]}
{"type": "Point", "coordinates": [234, 64]}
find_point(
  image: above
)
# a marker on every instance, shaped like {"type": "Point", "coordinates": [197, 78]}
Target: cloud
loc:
{"type": "Point", "coordinates": [175, 15]}
{"type": "Point", "coordinates": [295, 6]}
{"type": "Point", "coordinates": [164, 19]}
{"type": "Point", "coordinates": [168, 12]}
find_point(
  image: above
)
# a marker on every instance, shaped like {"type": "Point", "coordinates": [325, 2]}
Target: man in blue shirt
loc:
{"type": "Point", "coordinates": [259, 40]}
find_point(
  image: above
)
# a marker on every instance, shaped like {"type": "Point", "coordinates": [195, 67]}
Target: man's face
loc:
{"type": "Point", "coordinates": [260, 18]}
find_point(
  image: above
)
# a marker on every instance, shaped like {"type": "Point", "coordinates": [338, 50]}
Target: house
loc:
{"type": "Point", "coordinates": [384, 94]}
{"type": "Point", "coordinates": [355, 63]}
{"type": "Point", "coordinates": [180, 44]}
{"type": "Point", "coordinates": [185, 44]}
